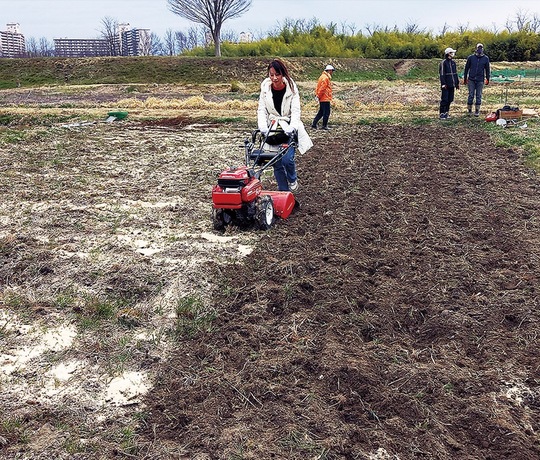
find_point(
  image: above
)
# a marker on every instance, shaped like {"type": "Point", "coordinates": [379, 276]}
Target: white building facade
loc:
{"type": "Point", "coordinates": [12, 42]}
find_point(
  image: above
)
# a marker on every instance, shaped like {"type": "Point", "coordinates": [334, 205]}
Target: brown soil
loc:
{"type": "Point", "coordinates": [403, 67]}
{"type": "Point", "coordinates": [394, 317]}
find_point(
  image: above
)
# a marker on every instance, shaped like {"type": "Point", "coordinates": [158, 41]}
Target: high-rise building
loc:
{"type": "Point", "coordinates": [134, 42]}
{"type": "Point", "coordinates": [12, 43]}
{"type": "Point", "coordinates": [127, 42]}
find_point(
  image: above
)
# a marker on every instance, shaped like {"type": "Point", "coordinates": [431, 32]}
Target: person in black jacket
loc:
{"type": "Point", "coordinates": [449, 82]}
{"type": "Point", "coordinates": [477, 70]}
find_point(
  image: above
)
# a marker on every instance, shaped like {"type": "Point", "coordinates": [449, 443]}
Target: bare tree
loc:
{"type": "Point", "coordinates": [174, 42]}
{"type": "Point", "coordinates": [305, 26]}
{"type": "Point", "coordinates": [32, 47]}
{"type": "Point", "coordinates": [157, 48]}
{"type": "Point", "coordinates": [535, 23]}
{"type": "Point", "coordinates": [413, 28]}
{"type": "Point", "coordinates": [229, 36]}
{"type": "Point", "coordinates": [521, 20]}
{"type": "Point", "coordinates": [45, 47]}
{"type": "Point", "coordinates": [210, 13]}
{"type": "Point", "coordinates": [495, 28]}
{"type": "Point", "coordinates": [111, 35]}
{"type": "Point", "coordinates": [462, 28]}
{"type": "Point", "coordinates": [182, 41]}
{"type": "Point", "coordinates": [524, 21]}
{"type": "Point", "coordinates": [347, 28]}
{"type": "Point", "coordinates": [373, 28]}
{"type": "Point", "coordinates": [444, 29]}
{"type": "Point", "coordinates": [169, 43]}
{"type": "Point", "coordinates": [509, 25]}
{"type": "Point", "coordinates": [195, 37]}
{"type": "Point", "coordinates": [38, 48]}
{"type": "Point", "coordinates": [145, 43]}
{"type": "Point", "coordinates": [258, 34]}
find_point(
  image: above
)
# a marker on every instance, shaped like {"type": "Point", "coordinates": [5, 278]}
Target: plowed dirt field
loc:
{"type": "Point", "coordinates": [394, 316]}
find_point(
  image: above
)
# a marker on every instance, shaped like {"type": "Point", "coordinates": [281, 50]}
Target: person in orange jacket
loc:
{"type": "Point", "coordinates": [323, 91]}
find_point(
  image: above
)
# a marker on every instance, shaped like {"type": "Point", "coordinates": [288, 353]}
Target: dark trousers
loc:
{"type": "Point", "coordinates": [324, 113]}
{"type": "Point", "coordinates": [447, 97]}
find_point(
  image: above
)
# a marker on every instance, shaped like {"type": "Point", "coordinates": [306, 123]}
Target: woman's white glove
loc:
{"type": "Point", "coordinates": [289, 131]}
{"type": "Point", "coordinates": [286, 127]}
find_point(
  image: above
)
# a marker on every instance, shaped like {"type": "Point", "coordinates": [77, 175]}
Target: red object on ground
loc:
{"type": "Point", "coordinates": [283, 203]}
{"type": "Point", "coordinates": [239, 198]}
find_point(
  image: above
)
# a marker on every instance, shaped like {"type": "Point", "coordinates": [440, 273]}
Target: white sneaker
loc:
{"type": "Point", "coordinates": [293, 186]}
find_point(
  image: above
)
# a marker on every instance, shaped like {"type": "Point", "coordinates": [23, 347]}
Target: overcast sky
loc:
{"type": "Point", "coordinates": [83, 18]}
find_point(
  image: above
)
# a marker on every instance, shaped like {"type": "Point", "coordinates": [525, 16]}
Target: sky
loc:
{"type": "Point", "coordinates": [83, 18]}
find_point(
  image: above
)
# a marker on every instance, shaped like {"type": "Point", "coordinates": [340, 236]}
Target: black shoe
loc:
{"type": "Point", "coordinates": [326, 128]}
{"type": "Point", "coordinates": [313, 126]}
{"type": "Point", "coordinates": [296, 207]}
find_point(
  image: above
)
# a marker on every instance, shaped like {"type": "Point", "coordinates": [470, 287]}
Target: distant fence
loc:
{"type": "Point", "coordinates": [515, 74]}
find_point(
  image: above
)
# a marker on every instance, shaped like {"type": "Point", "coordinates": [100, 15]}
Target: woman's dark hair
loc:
{"type": "Point", "coordinates": [281, 69]}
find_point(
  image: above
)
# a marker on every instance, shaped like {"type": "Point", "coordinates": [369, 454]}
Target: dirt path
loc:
{"type": "Point", "coordinates": [394, 317]}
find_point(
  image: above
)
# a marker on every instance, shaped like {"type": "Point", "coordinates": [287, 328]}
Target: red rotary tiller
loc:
{"type": "Point", "coordinates": [239, 198]}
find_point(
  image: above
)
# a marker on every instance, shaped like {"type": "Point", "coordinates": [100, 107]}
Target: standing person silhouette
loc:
{"type": "Point", "coordinates": [449, 82]}
{"type": "Point", "coordinates": [323, 92]}
{"type": "Point", "coordinates": [477, 71]}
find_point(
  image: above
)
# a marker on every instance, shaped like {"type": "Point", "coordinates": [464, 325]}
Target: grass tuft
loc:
{"type": "Point", "coordinates": [192, 317]}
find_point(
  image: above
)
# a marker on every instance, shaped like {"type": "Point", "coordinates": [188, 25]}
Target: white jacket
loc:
{"type": "Point", "coordinates": [290, 108]}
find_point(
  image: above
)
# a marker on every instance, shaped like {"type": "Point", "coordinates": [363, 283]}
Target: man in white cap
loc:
{"type": "Point", "coordinates": [449, 79]}
{"type": "Point", "coordinates": [477, 71]}
{"type": "Point", "coordinates": [323, 91]}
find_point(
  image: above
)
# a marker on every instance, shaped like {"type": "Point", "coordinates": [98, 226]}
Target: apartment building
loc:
{"type": "Point", "coordinates": [127, 42]}
{"type": "Point", "coordinates": [80, 47]}
{"type": "Point", "coordinates": [12, 43]}
{"type": "Point", "coordinates": [134, 42]}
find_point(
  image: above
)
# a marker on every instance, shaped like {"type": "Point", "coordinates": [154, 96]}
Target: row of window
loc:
{"type": "Point", "coordinates": [134, 42]}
